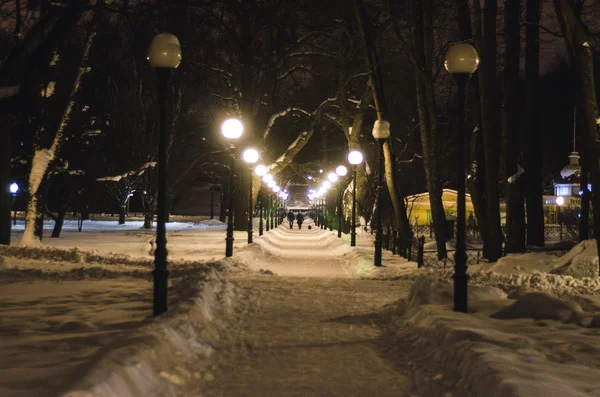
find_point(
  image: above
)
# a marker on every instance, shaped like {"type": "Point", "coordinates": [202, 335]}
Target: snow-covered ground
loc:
{"type": "Point", "coordinates": [296, 313]}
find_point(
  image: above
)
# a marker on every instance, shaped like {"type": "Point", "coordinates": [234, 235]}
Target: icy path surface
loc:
{"type": "Point", "coordinates": [310, 337]}
{"type": "Point", "coordinates": [312, 329]}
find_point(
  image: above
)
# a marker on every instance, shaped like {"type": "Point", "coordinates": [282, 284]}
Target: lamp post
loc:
{"type": "Point", "coordinates": [333, 178]}
{"type": "Point", "coordinates": [231, 129]}
{"type": "Point", "coordinates": [340, 171]}
{"type": "Point", "coordinates": [381, 132]}
{"type": "Point", "coordinates": [327, 186]}
{"type": "Point", "coordinates": [461, 60]}
{"type": "Point", "coordinates": [250, 156]}
{"type": "Point", "coordinates": [14, 189]}
{"type": "Point", "coordinates": [260, 171]}
{"type": "Point", "coordinates": [164, 55]}
{"type": "Point", "coordinates": [355, 157]}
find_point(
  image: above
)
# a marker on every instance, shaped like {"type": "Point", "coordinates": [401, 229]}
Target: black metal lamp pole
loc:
{"type": "Point", "coordinates": [379, 233]}
{"type": "Point", "coordinates": [272, 209]}
{"type": "Point", "coordinates": [161, 274]}
{"type": "Point", "coordinates": [461, 277]}
{"type": "Point", "coordinates": [260, 222]}
{"type": "Point", "coordinates": [14, 199]}
{"type": "Point", "coordinates": [353, 232]}
{"type": "Point", "coordinates": [250, 210]}
{"type": "Point", "coordinates": [164, 55]}
{"type": "Point", "coordinates": [340, 219]}
{"type": "Point", "coordinates": [229, 239]}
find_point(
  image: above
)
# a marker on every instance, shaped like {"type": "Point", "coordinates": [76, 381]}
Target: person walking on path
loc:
{"type": "Point", "coordinates": [300, 219]}
{"type": "Point", "coordinates": [291, 218]}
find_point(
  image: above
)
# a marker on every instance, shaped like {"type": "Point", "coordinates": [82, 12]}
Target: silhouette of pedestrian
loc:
{"type": "Point", "coordinates": [291, 217]}
{"type": "Point", "coordinates": [300, 219]}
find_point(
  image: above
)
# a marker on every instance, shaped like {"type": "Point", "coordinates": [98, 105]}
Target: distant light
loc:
{"type": "Point", "coordinates": [326, 184]}
{"type": "Point", "coordinates": [332, 177]}
{"type": "Point", "coordinates": [14, 187]}
{"type": "Point", "coordinates": [261, 170]}
{"type": "Point", "coordinates": [232, 129]}
{"type": "Point", "coordinates": [560, 200]}
{"type": "Point", "coordinates": [311, 191]}
{"type": "Point", "coordinates": [341, 170]}
{"type": "Point", "coordinates": [355, 157]}
{"type": "Point", "coordinates": [320, 170]}
{"type": "Point", "coordinates": [250, 155]}
{"type": "Point", "coordinates": [310, 177]}
{"type": "Point", "coordinates": [276, 189]}
{"type": "Point", "coordinates": [267, 178]}
{"type": "Point", "coordinates": [272, 184]}
{"type": "Point", "coordinates": [581, 192]}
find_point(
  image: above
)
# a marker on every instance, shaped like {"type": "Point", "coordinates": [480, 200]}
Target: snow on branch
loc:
{"type": "Point", "coordinates": [283, 113]}
{"type": "Point", "coordinates": [513, 178]}
{"type": "Point", "coordinates": [137, 172]}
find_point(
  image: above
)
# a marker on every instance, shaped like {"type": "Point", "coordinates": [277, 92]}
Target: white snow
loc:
{"type": "Point", "coordinates": [76, 317]}
{"type": "Point", "coordinates": [513, 178]}
{"type": "Point", "coordinates": [138, 172]}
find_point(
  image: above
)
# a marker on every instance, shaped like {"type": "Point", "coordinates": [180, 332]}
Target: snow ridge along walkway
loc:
{"type": "Point", "coordinates": [295, 335]}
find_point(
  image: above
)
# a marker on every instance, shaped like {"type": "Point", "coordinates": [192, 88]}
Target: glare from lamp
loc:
{"type": "Point", "coordinates": [355, 157]}
{"type": "Point", "coordinates": [250, 155]}
{"type": "Point", "coordinates": [14, 187]}
{"type": "Point", "coordinates": [560, 201]}
{"type": "Point", "coordinates": [232, 129]}
{"type": "Point", "coordinates": [332, 177]}
{"type": "Point", "coordinates": [261, 170]}
{"type": "Point", "coordinates": [341, 170]}
{"type": "Point", "coordinates": [267, 178]}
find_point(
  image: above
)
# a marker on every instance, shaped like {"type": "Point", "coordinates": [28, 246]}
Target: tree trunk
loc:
{"type": "Point", "coordinates": [6, 198]}
{"type": "Point", "coordinates": [428, 122]}
{"type": "Point", "coordinates": [515, 209]}
{"type": "Point", "coordinates": [534, 151]}
{"type": "Point", "coordinates": [486, 47]}
{"type": "Point", "coordinates": [577, 42]}
{"type": "Point", "coordinates": [121, 214]}
{"type": "Point", "coordinates": [401, 219]}
{"type": "Point", "coordinates": [58, 222]}
{"type": "Point", "coordinates": [584, 219]}
{"type": "Point", "coordinates": [148, 219]}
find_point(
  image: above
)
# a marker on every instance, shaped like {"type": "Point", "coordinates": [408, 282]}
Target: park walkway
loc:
{"type": "Point", "coordinates": [310, 330]}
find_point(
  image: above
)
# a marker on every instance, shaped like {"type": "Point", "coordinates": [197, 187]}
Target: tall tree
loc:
{"type": "Point", "coordinates": [485, 43]}
{"type": "Point", "coordinates": [515, 209]}
{"type": "Point", "coordinates": [534, 141]}
{"type": "Point", "coordinates": [580, 52]}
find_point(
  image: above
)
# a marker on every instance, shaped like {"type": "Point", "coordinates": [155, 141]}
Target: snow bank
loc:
{"type": "Point", "coordinates": [580, 261]}
{"type": "Point", "coordinates": [486, 356]}
{"type": "Point", "coordinates": [167, 353]}
{"type": "Point", "coordinates": [112, 226]}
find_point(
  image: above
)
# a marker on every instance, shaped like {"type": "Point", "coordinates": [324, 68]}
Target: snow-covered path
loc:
{"type": "Point", "coordinates": [309, 337]}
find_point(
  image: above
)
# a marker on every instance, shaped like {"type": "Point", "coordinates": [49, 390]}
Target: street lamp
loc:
{"type": "Point", "coordinates": [381, 132]}
{"type": "Point", "coordinates": [261, 171]}
{"type": "Point", "coordinates": [14, 189]}
{"type": "Point", "coordinates": [232, 129]}
{"type": "Point", "coordinates": [461, 60]}
{"type": "Point", "coordinates": [164, 55]}
{"type": "Point", "coordinates": [340, 171]}
{"type": "Point", "coordinates": [355, 157]}
{"type": "Point", "coordinates": [250, 156]}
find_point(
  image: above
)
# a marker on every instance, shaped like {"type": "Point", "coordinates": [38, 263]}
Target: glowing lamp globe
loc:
{"type": "Point", "coordinates": [461, 58]}
{"type": "Point", "coordinates": [164, 51]}
{"type": "Point", "coordinates": [14, 187]}
{"type": "Point", "coordinates": [232, 129]}
{"type": "Point", "coordinates": [381, 129]}
{"type": "Point", "coordinates": [281, 194]}
{"type": "Point", "coordinates": [250, 155]}
{"type": "Point", "coordinates": [271, 184]}
{"type": "Point", "coordinates": [260, 170]}
{"type": "Point", "coordinates": [267, 178]}
{"type": "Point", "coordinates": [560, 201]}
{"type": "Point", "coordinates": [276, 189]}
{"type": "Point", "coordinates": [355, 157]}
{"type": "Point", "coordinates": [326, 184]}
{"type": "Point", "coordinates": [332, 177]}
{"type": "Point", "coordinates": [341, 170]}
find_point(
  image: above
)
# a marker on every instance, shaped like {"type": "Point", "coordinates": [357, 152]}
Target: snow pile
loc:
{"type": "Point", "coordinates": [517, 283]}
{"type": "Point", "coordinates": [93, 225]}
{"type": "Point", "coordinates": [581, 261]}
{"type": "Point", "coordinates": [503, 348]}
{"type": "Point", "coordinates": [165, 355]}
